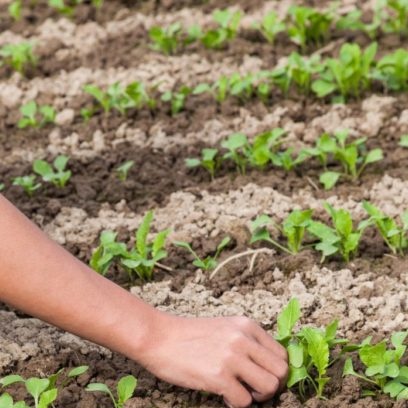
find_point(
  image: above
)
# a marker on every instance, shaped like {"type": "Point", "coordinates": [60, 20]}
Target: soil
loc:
{"type": "Point", "coordinates": [368, 294]}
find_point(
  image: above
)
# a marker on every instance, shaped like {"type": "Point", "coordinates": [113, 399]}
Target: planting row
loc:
{"type": "Point", "coordinates": [312, 353]}
{"type": "Point", "coordinates": [305, 26]}
{"type": "Point", "coordinates": [350, 75]}
{"type": "Point", "coordinates": [298, 231]}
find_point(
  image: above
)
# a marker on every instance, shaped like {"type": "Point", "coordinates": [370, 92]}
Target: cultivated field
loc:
{"type": "Point", "coordinates": [110, 90]}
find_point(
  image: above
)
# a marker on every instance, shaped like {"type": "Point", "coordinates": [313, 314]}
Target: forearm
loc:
{"type": "Point", "coordinates": [42, 279]}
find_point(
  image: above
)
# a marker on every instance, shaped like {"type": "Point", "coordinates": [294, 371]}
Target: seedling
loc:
{"type": "Point", "coordinates": [404, 141]}
{"type": "Point", "coordinates": [342, 238]}
{"type": "Point", "coordinates": [238, 150]}
{"type": "Point", "coordinates": [123, 170]}
{"type": "Point", "coordinates": [143, 258]}
{"type": "Point", "coordinates": [208, 263]}
{"type": "Point", "coordinates": [14, 9]}
{"type": "Point", "coordinates": [114, 98]}
{"type": "Point", "coordinates": [394, 236]}
{"type": "Point", "coordinates": [124, 390]}
{"type": "Point", "coordinates": [28, 183]}
{"type": "Point", "coordinates": [18, 56]}
{"type": "Point", "coordinates": [308, 25]}
{"type": "Point", "coordinates": [208, 161]}
{"type": "Point", "coordinates": [383, 367]}
{"type": "Point", "coordinates": [36, 116]}
{"type": "Point", "coordinates": [219, 89]}
{"type": "Point", "coordinates": [308, 349]}
{"type": "Point", "coordinates": [55, 173]}
{"type": "Point", "coordinates": [6, 401]}
{"type": "Point", "coordinates": [395, 14]}
{"type": "Point", "coordinates": [228, 24]}
{"type": "Point", "coordinates": [349, 75]}
{"type": "Point", "coordinates": [293, 229]}
{"type": "Point", "coordinates": [165, 40]}
{"type": "Point", "coordinates": [2, 186]}
{"type": "Point", "coordinates": [353, 156]}
{"type": "Point", "coordinates": [139, 97]}
{"type": "Point", "coordinates": [353, 21]}
{"type": "Point", "coordinates": [177, 99]}
{"type": "Point", "coordinates": [298, 70]}
{"type": "Point", "coordinates": [242, 87]}
{"type": "Point", "coordinates": [286, 159]}
{"type": "Point", "coordinates": [107, 252]}
{"type": "Point", "coordinates": [392, 70]}
{"type": "Point", "coordinates": [270, 26]}
{"type": "Point", "coordinates": [62, 7]}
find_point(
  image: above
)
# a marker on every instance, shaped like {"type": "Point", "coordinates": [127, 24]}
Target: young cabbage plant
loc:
{"type": "Point", "coordinates": [342, 238]}
{"type": "Point", "coordinates": [143, 258]}
{"type": "Point", "coordinates": [28, 184]}
{"type": "Point", "coordinates": [177, 99]}
{"type": "Point", "coordinates": [123, 170]}
{"type": "Point", "coordinates": [353, 21]}
{"type": "Point", "coordinates": [139, 96]}
{"type": "Point", "coordinates": [394, 235]}
{"type": "Point", "coordinates": [6, 401]}
{"type": "Point", "coordinates": [124, 390]}
{"type": "Point", "coordinates": [165, 40]}
{"type": "Point", "coordinates": [228, 24]}
{"type": "Point", "coordinates": [18, 56]}
{"type": "Point", "coordinates": [346, 76]}
{"type": "Point", "coordinates": [270, 26]}
{"type": "Point", "coordinates": [392, 70]}
{"type": "Point", "coordinates": [309, 350]}
{"type": "Point", "coordinates": [208, 263]}
{"type": "Point", "coordinates": [308, 25]}
{"type": "Point", "coordinates": [395, 16]}
{"type": "Point", "coordinates": [384, 370]}
{"type": "Point", "coordinates": [242, 86]}
{"type": "Point", "coordinates": [220, 89]}
{"type": "Point", "coordinates": [353, 156]}
{"type": "Point", "coordinates": [299, 71]}
{"type": "Point", "coordinates": [237, 147]}
{"type": "Point", "coordinates": [56, 173]}
{"type": "Point", "coordinates": [36, 116]}
{"type": "Point", "coordinates": [293, 229]}
{"type": "Point", "coordinates": [286, 159]}
{"type": "Point", "coordinates": [208, 161]}
{"type": "Point", "coordinates": [265, 146]}
{"type": "Point", "coordinates": [15, 9]}
{"type": "Point", "coordinates": [108, 251]}
{"type": "Point", "coordinates": [43, 392]}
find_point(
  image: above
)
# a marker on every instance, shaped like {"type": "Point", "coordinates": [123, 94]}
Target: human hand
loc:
{"type": "Point", "coordinates": [232, 357]}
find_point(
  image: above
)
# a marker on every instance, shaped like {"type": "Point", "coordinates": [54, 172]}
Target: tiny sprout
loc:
{"type": "Point", "coordinates": [123, 170]}
{"type": "Point", "coordinates": [58, 175]}
{"type": "Point", "coordinates": [28, 183]}
{"type": "Point", "coordinates": [208, 161]}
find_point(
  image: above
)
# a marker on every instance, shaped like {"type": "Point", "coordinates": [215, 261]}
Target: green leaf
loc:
{"type": "Point", "coordinates": [404, 141]}
{"type": "Point", "coordinates": [288, 318]}
{"type": "Point", "coordinates": [348, 368]}
{"type": "Point", "coordinates": [318, 349]}
{"type": "Point", "coordinates": [98, 387]}
{"type": "Point", "coordinates": [159, 242]}
{"type": "Point", "coordinates": [295, 352]}
{"type": "Point", "coordinates": [6, 401]}
{"type": "Point", "coordinates": [11, 379]}
{"type": "Point", "coordinates": [374, 156]}
{"type": "Point", "coordinates": [323, 88]}
{"type": "Point", "coordinates": [77, 371]}
{"type": "Point", "coordinates": [329, 179]}
{"type": "Point", "coordinates": [126, 387]}
{"type": "Point", "coordinates": [141, 234]}
{"type": "Point", "coordinates": [296, 375]}
{"type": "Point", "coordinates": [36, 386]}
{"type": "Point", "coordinates": [48, 397]}
{"type": "Point", "coordinates": [42, 168]}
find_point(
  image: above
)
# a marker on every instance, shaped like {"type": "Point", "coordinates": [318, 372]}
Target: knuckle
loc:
{"type": "Point", "coordinates": [244, 322]}
{"type": "Point", "coordinates": [236, 340]}
{"type": "Point", "coordinates": [281, 371]}
{"type": "Point", "coordinates": [273, 386]}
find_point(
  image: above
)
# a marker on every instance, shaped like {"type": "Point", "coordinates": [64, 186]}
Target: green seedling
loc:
{"type": "Point", "coordinates": [383, 367]}
{"type": "Point", "coordinates": [353, 156]}
{"type": "Point", "coordinates": [404, 141]}
{"type": "Point", "coordinates": [342, 238]}
{"type": "Point", "coordinates": [124, 390]}
{"type": "Point", "coordinates": [36, 116]}
{"type": "Point", "coordinates": [308, 349]}
{"type": "Point", "coordinates": [395, 16]}
{"type": "Point", "coordinates": [228, 24]}
{"type": "Point", "coordinates": [308, 25]}
{"type": "Point", "coordinates": [55, 173]}
{"type": "Point", "coordinates": [87, 113]}
{"type": "Point", "coordinates": [143, 258]}
{"type": "Point", "coordinates": [349, 75]}
{"type": "Point", "coordinates": [242, 87]}
{"type": "Point", "coordinates": [165, 40]}
{"type": "Point", "coordinates": [208, 263]}
{"type": "Point", "coordinates": [394, 236]}
{"type": "Point", "coordinates": [270, 26]}
{"type": "Point", "coordinates": [193, 34]}
{"type": "Point", "coordinates": [14, 10]}
{"type": "Point", "coordinates": [219, 89]}
{"type": "Point", "coordinates": [293, 229]}
{"type": "Point", "coordinates": [265, 146]}
{"type": "Point", "coordinates": [28, 183]}
{"type": "Point", "coordinates": [123, 170]}
{"type": "Point", "coordinates": [286, 159]}
{"type": "Point", "coordinates": [298, 70]}
{"type": "Point", "coordinates": [353, 21]}
{"type": "Point", "coordinates": [208, 161]}
{"type": "Point", "coordinates": [107, 252]}
{"type": "Point", "coordinates": [139, 97]}
{"type": "Point", "coordinates": [177, 99]}
{"type": "Point", "coordinates": [2, 186]}
{"type": "Point", "coordinates": [6, 401]}
{"type": "Point", "coordinates": [62, 7]}
{"type": "Point", "coordinates": [237, 147]}
{"type": "Point", "coordinates": [18, 56]}
{"type": "Point", "coordinates": [115, 97]}
{"type": "Point", "coordinates": [392, 70]}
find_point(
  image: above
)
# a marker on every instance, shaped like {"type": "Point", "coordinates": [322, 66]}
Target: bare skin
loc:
{"type": "Point", "coordinates": [231, 357]}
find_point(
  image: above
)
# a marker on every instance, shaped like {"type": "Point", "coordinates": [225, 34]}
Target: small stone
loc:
{"type": "Point", "coordinates": [65, 117]}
